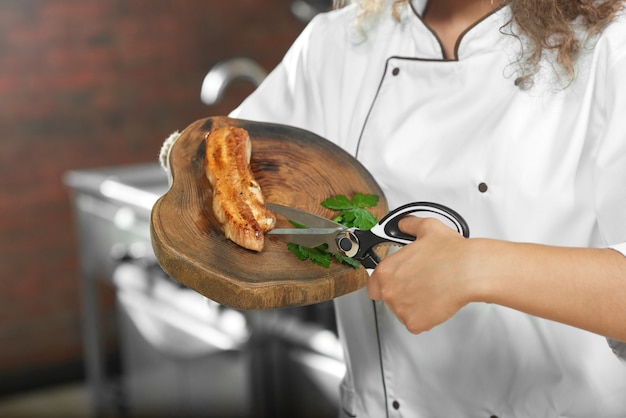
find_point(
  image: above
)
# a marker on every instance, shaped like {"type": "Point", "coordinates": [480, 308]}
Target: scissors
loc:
{"type": "Point", "coordinates": [357, 243]}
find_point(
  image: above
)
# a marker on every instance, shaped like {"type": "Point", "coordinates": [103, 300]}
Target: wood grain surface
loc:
{"type": "Point", "coordinates": [295, 168]}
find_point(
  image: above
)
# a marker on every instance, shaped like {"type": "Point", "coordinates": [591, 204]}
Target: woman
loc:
{"type": "Point", "coordinates": [510, 113]}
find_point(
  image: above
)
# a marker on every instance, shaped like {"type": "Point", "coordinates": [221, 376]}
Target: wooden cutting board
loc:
{"type": "Point", "coordinates": [295, 168]}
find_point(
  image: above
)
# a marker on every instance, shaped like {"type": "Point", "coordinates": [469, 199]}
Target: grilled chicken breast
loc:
{"type": "Point", "coordinates": [238, 202]}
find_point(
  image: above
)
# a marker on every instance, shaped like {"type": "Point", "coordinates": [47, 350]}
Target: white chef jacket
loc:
{"type": "Point", "coordinates": [546, 165]}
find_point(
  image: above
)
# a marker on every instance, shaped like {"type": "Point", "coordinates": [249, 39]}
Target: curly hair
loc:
{"type": "Point", "coordinates": [549, 25]}
{"type": "Point", "coordinates": [545, 25]}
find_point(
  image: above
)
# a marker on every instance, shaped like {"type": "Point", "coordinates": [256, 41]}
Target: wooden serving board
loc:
{"type": "Point", "coordinates": [295, 168]}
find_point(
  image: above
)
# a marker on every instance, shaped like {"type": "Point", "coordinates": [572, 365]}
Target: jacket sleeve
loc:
{"type": "Point", "coordinates": [288, 95]}
{"type": "Point", "coordinates": [610, 170]}
{"type": "Point", "coordinates": [619, 347]}
{"type": "Point", "coordinates": [320, 83]}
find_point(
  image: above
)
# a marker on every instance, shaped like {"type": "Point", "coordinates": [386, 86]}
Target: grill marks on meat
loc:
{"type": "Point", "coordinates": [238, 202]}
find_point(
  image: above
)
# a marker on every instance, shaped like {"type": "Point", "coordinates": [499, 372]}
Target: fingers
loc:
{"type": "Point", "coordinates": [379, 277]}
{"type": "Point", "coordinates": [418, 227]}
{"type": "Point", "coordinates": [415, 282]}
{"type": "Point", "coordinates": [373, 288]}
{"type": "Point", "coordinates": [409, 225]}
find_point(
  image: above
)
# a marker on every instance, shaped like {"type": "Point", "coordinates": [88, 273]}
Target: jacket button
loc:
{"type": "Point", "coordinates": [395, 71]}
{"type": "Point", "coordinates": [482, 187]}
{"type": "Point", "coordinates": [396, 405]}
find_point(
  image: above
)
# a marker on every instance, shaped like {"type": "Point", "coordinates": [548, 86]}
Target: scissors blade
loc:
{"type": "Point", "coordinates": [318, 230]}
{"type": "Point", "coordinates": [302, 217]}
{"type": "Point", "coordinates": [309, 237]}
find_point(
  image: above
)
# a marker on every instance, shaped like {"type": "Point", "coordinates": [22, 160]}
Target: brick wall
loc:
{"type": "Point", "coordinates": [92, 83]}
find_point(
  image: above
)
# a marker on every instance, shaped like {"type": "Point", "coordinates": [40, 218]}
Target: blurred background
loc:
{"type": "Point", "coordinates": [87, 86]}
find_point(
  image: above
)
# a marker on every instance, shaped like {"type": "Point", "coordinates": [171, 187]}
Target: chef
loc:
{"type": "Point", "coordinates": [511, 113]}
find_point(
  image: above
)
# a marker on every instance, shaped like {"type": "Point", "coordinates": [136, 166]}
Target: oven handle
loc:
{"type": "Point", "coordinates": [152, 308]}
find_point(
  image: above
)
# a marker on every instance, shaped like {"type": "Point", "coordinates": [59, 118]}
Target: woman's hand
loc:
{"type": "Point", "coordinates": [427, 281]}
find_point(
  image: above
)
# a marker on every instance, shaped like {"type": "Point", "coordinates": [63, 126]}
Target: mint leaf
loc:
{"type": "Point", "coordinates": [297, 225]}
{"type": "Point", "coordinates": [364, 219]}
{"type": "Point", "coordinates": [298, 250]}
{"type": "Point", "coordinates": [340, 202]}
{"type": "Point", "coordinates": [347, 218]}
{"type": "Point", "coordinates": [320, 257]}
{"type": "Point", "coordinates": [361, 200]}
{"type": "Point", "coordinates": [317, 255]}
{"type": "Point", "coordinates": [347, 260]}
{"type": "Point", "coordinates": [356, 218]}
{"type": "Point", "coordinates": [352, 214]}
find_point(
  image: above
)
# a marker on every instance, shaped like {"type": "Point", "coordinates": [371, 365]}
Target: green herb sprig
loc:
{"type": "Point", "coordinates": [353, 213]}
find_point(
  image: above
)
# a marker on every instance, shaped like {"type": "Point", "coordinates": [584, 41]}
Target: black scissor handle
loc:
{"type": "Point", "coordinates": [387, 229]}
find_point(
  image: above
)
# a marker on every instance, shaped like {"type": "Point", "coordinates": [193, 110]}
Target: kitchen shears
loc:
{"type": "Point", "coordinates": [356, 243]}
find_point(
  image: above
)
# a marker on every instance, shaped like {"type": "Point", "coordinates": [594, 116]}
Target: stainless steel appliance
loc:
{"type": "Point", "coordinates": [182, 354]}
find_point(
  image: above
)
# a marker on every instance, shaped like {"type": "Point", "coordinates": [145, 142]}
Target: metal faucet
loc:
{"type": "Point", "coordinates": [225, 72]}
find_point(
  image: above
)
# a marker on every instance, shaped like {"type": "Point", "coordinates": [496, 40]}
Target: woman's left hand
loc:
{"type": "Point", "coordinates": [428, 281]}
